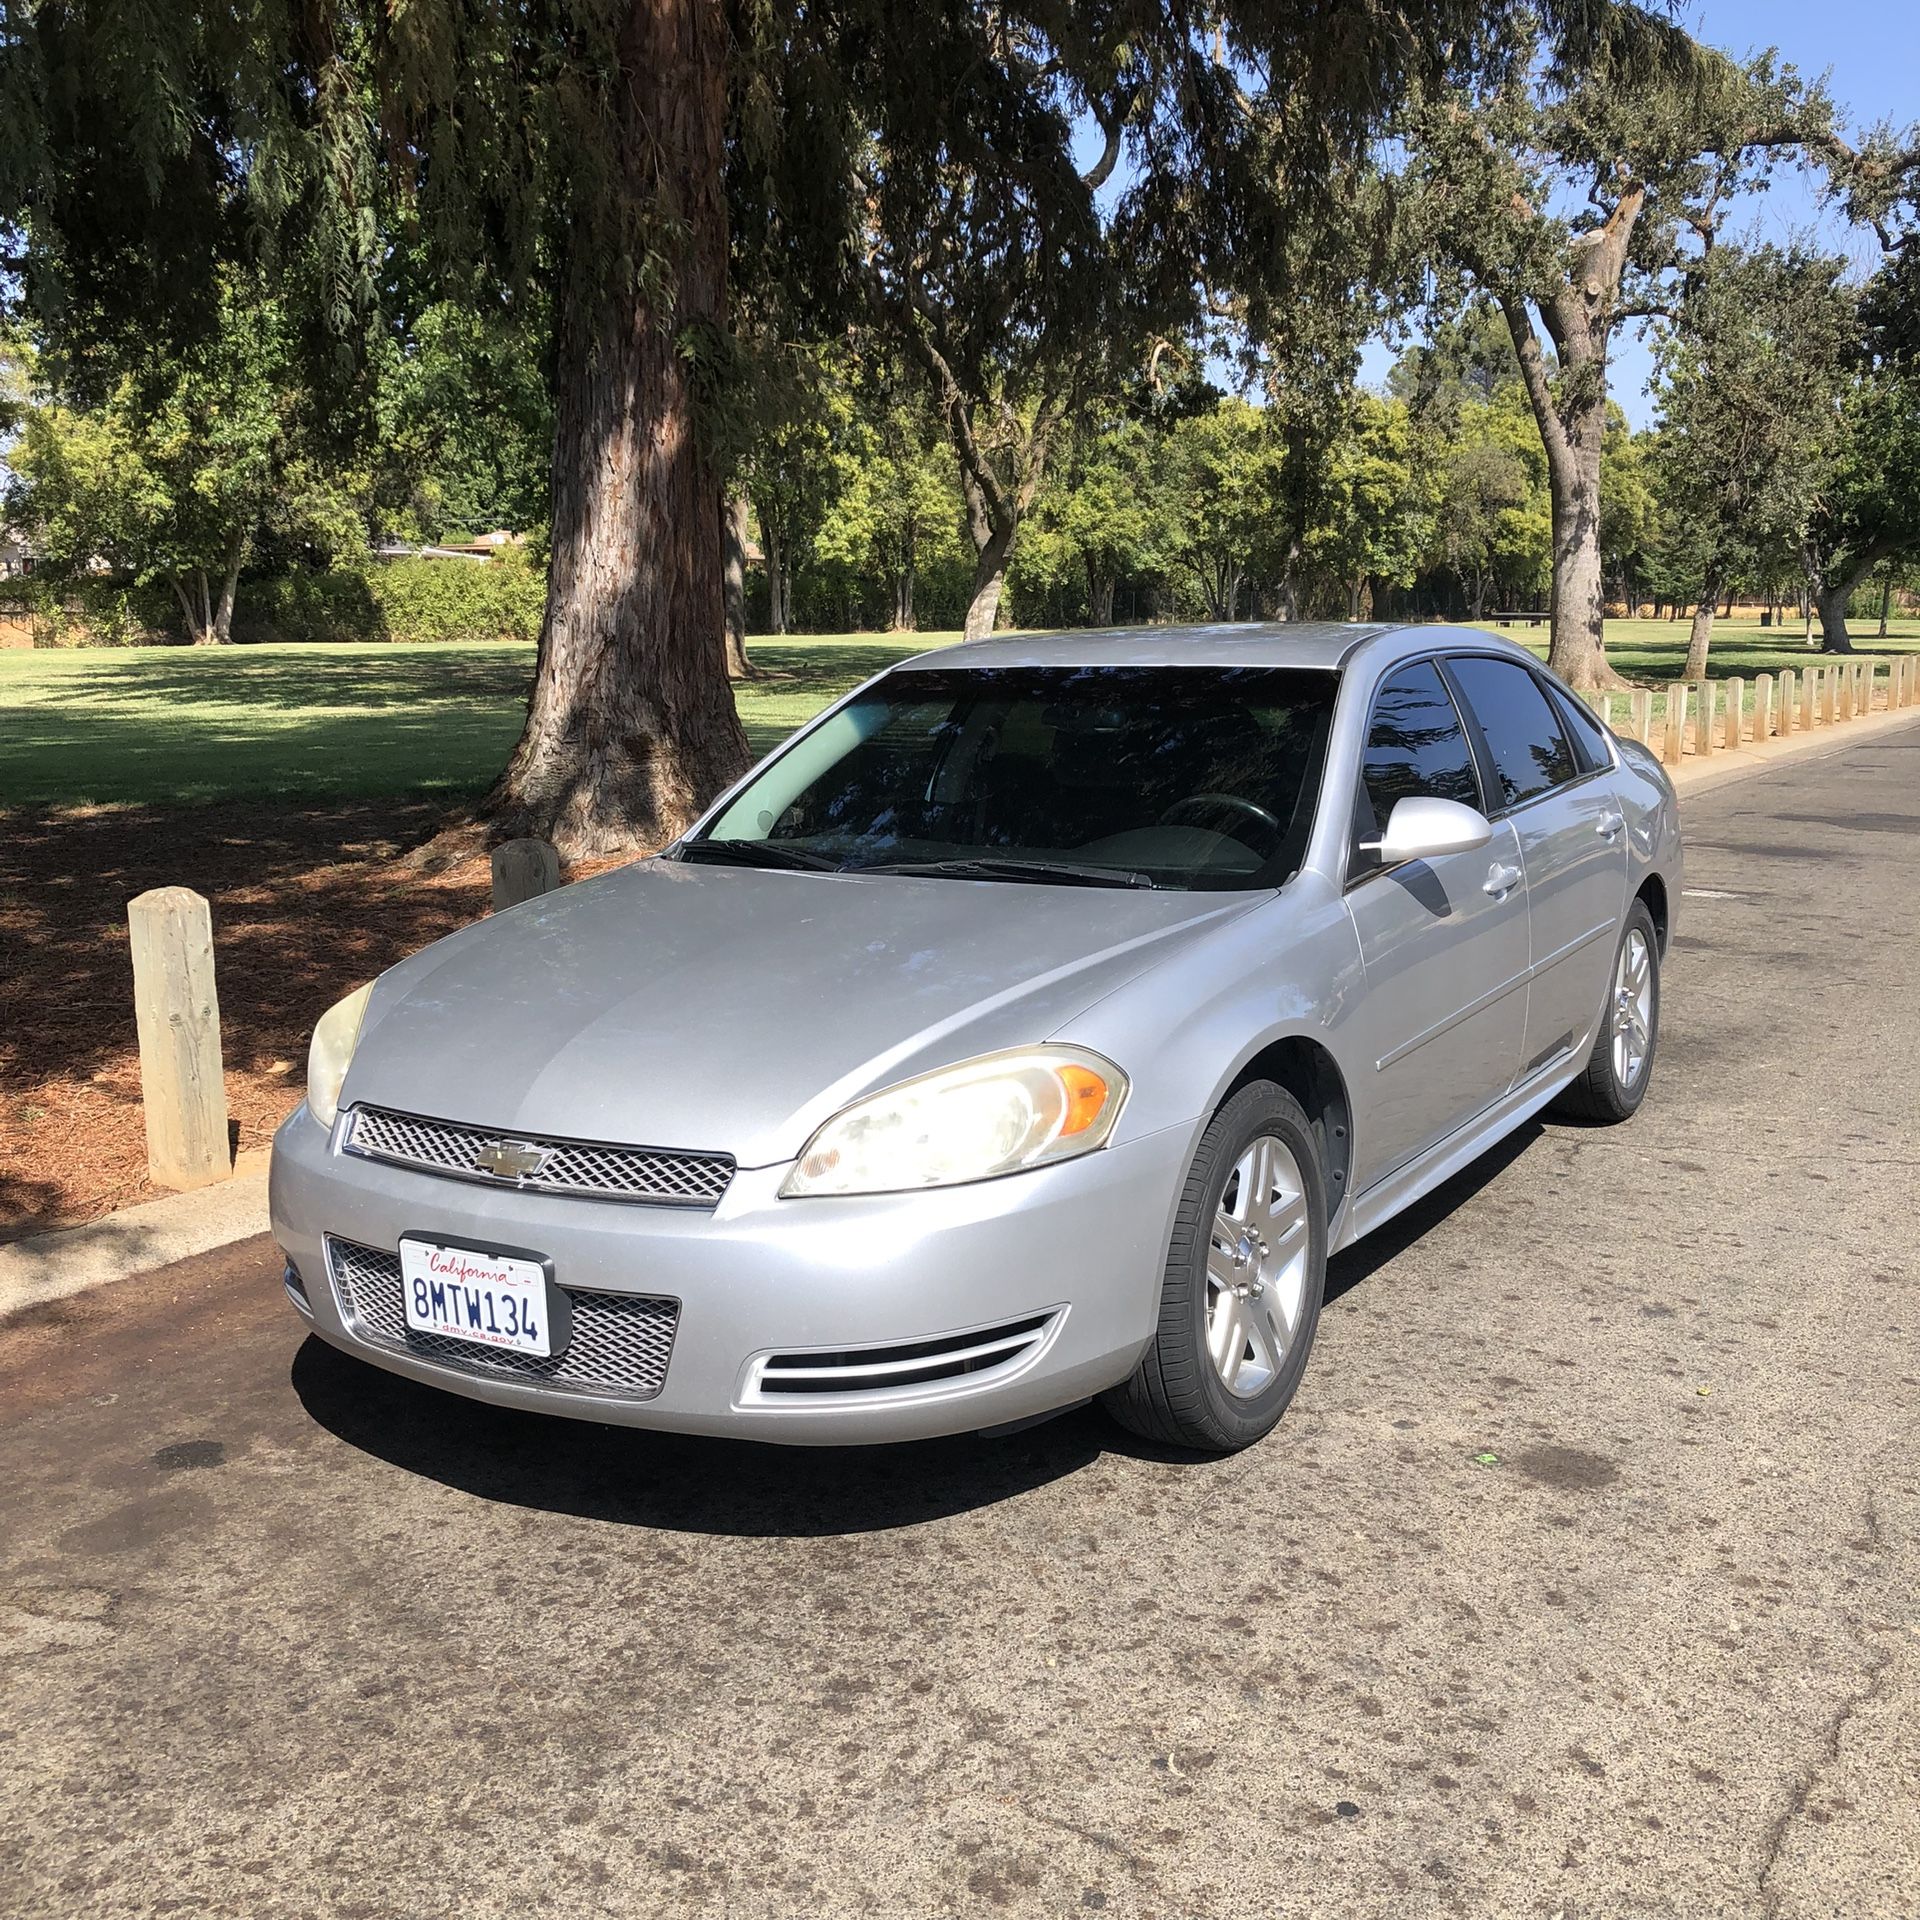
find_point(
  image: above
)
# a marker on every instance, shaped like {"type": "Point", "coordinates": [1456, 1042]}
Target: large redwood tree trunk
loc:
{"type": "Point", "coordinates": [631, 728]}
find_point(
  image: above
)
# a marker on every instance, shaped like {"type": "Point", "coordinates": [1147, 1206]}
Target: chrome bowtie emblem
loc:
{"type": "Point", "coordinates": [509, 1159]}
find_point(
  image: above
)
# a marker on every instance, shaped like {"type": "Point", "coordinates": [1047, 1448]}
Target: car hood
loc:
{"type": "Point", "coordinates": [735, 1009]}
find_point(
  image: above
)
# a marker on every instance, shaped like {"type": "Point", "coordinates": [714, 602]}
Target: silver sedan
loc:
{"type": "Point", "coordinates": [1028, 1028]}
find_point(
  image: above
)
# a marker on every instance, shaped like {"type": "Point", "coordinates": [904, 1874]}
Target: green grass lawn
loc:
{"type": "Point", "coordinates": [171, 726]}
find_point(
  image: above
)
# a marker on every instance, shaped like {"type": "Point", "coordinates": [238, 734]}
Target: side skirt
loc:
{"type": "Point", "coordinates": [1442, 1161]}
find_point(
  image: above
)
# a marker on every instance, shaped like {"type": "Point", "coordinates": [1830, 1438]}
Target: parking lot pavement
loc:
{"type": "Point", "coordinates": [1581, 1580]}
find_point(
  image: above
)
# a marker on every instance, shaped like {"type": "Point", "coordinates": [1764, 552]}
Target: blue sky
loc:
{"type": "Point", "coordinates": [1870, 52]}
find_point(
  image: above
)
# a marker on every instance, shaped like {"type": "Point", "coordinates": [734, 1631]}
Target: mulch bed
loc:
{"type": "Point", "coordinates": [307, 903]}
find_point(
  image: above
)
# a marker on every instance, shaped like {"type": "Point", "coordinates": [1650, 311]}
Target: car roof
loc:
{"type": "Point", "coordinates": [1323, 644]}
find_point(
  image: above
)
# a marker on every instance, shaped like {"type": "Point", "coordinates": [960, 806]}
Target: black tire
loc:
{"type": "Point", "coordinates": [1178, 1395]}
{"type": "Point", "coordinates": [1600, 1094]}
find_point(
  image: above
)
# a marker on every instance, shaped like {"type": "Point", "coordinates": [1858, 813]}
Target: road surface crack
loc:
{"type": "Point", "coordinates": [1827, 1751]}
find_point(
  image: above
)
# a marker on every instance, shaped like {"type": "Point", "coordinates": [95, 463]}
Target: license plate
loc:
{"type": "Point", "coordinates": [460, 1293]}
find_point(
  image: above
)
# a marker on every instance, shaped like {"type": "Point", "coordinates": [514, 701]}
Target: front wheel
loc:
{"type": "Point", "coordinates": [1240, 1298]}
{"type": "Point", "coordinates": [1621, 1063]}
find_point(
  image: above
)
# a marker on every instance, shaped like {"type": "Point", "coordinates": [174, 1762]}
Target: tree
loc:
{"type": "Point", "coordinates": [1483, 484]}
{"type": "Point", "coordinates": [1106, 509]}
{"type": "Point", "coordinates": [1223, 479]}
{"type": "Point", "coordinates": [1868, 507]}
{"type": "Point", "coordinates": [988, 265]}
{"type": "Point", "coordinates": [176, 473]}
{"type": "Point", "coordinates": [793, 461]}
{"type": "Point", "coordinates": [895, 505]}
{"type": "Point", "coordinates": [1749, 381]}
{"type": "Point", "coordinates": [1629, 510]}
{"type": "Point", "coordinates": [1377, 512]}
{"type": "Point", "coordinates": [462, 423]}
{"type": "Point", "coordinates": [1575, 194]}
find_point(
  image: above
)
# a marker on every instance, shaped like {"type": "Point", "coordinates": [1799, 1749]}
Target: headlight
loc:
{"type": "Point", "coordinates": [999, 1114]}
{"type": "Point", "coordinates": [332, 1052]}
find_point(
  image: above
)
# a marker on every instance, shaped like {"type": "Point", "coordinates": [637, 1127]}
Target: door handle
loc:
{"type": "Point", "coordinates": [1501, 879]}
{"type": "Point", "coordinates": [1609, 825]}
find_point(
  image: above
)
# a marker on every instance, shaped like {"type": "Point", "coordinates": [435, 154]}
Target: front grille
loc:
{"type": "Point", "coordinates": [619, 1346]}
{"type": "Point", "coordinates": [913, 1363]}
{"type": "Point", "coordinates": [654, 1175]}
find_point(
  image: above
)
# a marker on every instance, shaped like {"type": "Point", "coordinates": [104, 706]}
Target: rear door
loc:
{"type": "Point", "coordinates": [1443, 942]}
{"type": "Point", "coordinates": [1550, 782]}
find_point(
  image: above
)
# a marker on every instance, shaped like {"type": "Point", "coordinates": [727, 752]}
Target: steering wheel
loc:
{"type": "Point", "coordinates": [1215, 801]}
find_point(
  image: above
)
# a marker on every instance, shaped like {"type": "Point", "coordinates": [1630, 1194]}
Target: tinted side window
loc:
{"type": "Point", "coordinates": [1524, 735]}
{"type": "Point", "coordinates": [1416, 747]}
{"type": "Point", "coordinates": [1589, 740]}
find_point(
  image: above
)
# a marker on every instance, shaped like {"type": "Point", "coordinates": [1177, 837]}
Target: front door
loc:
{"type": "Point", "coordinates": [1443, 942]}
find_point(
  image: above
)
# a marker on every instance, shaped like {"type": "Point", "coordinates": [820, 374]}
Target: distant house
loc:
{"type": "Point", "coordinates": [18, 555]}
{"type": "Point", "coordinates": [483, 548]}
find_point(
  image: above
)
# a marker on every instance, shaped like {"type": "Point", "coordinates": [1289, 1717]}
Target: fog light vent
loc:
{"type": "Point", "coordinates": [915, 1363]}
{"type": "Point", "coordinates": [296, 1289]}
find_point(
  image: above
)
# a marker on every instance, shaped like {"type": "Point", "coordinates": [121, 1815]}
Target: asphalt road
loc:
{"type": "Point", "coordinates": [1580, 1581]}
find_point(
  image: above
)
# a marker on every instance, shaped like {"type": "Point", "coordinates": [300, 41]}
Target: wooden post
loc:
{"type": "Point", "coordinates": [523, 870]}
{"type": "Point", "coordinates": [1641, 705]}
{"type": "Point", "coordinates": [1676, 740]}
{"type": "Point", "coordinates": [1703, 740]}
{"type": "Point", "coordinates": [177, 1014]}
{"type": "Point", "coordinates": [1789, 698]}
{"type": "Point", "coordinates": [1849, 689]}
{"type": "Point", "coordinates": [1830, 696]}
{"type": "Point", "coordinates": [1762, 708]}
{"type": "Point", "coordinates": [1809, 697]}
{"type": "Point", "coordinates": [1736, 709]}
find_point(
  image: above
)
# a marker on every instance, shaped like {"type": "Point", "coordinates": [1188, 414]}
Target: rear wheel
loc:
{"type": "Point", "coordinates": [1621, 1063]}
{"type": "Point", "coordinates": [1246, 1268]}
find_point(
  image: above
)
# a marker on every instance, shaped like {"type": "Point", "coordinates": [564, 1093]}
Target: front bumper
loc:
{"type": "Point", "coordinates": [1080, 1245]}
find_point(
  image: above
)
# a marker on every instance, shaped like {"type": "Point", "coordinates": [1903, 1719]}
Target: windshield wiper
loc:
{"type": "Point", "coordinates": [990, 867]}
{"type": "Point", "coordinates": [759, 853]}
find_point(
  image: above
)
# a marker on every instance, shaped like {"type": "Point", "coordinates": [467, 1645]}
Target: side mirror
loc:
{"type": "Point", "coordinates": [1424, 829]}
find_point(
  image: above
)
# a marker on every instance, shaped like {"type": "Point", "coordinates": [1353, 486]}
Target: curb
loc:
{"type": "Point", "coordinates": [54, 1266]}
{"type": "Point", "coordinates": [1736, 763]}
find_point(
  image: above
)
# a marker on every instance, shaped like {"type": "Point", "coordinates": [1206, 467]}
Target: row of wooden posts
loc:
{"type": "Point", "coordinates": [1794, 701]}
{"type": "Point", "coordinates": [177, 1010]}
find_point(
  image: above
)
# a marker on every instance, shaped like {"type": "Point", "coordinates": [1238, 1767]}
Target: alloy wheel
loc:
{"type": "Point", "coordinates": [1257, 1267]}
{"type": "Point", "coordinates": [1632, 1010]}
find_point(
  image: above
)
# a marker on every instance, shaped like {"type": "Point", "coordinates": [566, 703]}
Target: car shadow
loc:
{"type": "Point", "coordinates": [681, 1483]}
{"type": "Point", "coordinates": [745, 1489]}
{"type": "Point", "coordinates": [1347, 1270]}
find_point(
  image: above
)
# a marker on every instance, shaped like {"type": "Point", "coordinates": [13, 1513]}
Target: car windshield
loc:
{"type": "Point", "coordinates": [1169, 776]}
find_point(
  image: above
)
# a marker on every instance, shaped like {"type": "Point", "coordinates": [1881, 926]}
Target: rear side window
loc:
{"type": "Point", "coordinates": [1589, 737]}
{"type": "Point", "coordinates": [1529, 746]}
{"type": "Point", "coordinates": [1416, 748]}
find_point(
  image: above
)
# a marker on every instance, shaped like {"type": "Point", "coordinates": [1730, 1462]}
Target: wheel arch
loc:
{"type": "Point", "coordinates": [1653, 892]}
{"type": "Point", "coordinates": [1307, 1070]}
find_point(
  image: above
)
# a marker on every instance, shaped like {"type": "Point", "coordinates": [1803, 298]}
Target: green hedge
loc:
{"type": "Point", "coordinates": [407, 600]}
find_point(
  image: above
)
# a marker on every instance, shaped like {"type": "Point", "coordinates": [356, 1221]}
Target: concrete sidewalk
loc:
{"type": "Point", "coordinates": [50, 1266]}
{"type": "Point", "coordinates": [1702, 773]}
